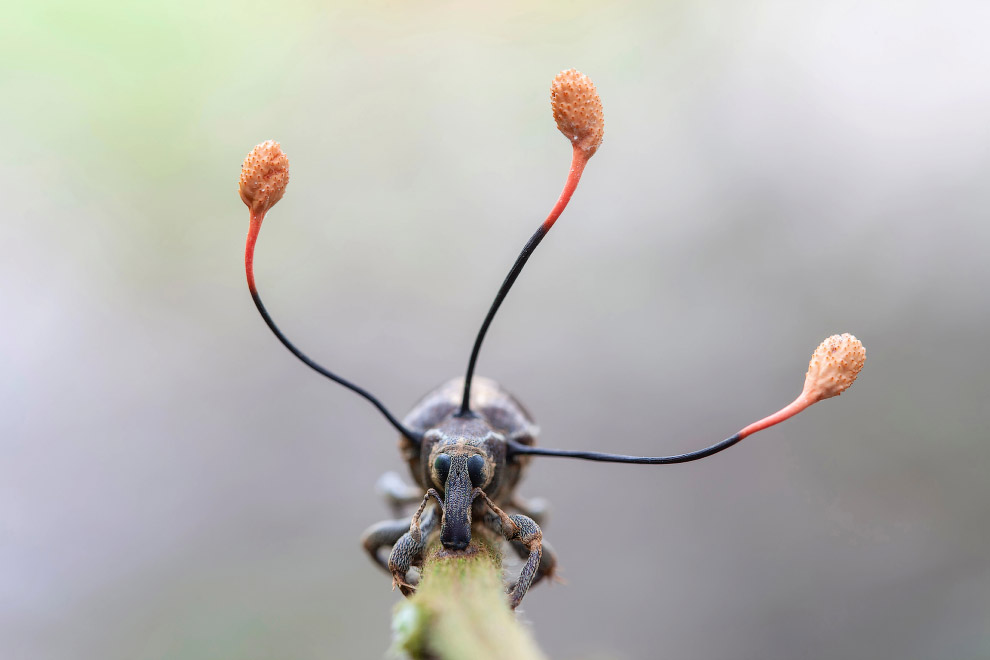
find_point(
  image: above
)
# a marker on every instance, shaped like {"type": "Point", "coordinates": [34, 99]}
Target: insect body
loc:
{"type": "Point", "coordinates": [468, 442]}
{"type": "Point", "coordinates": [465, 467]}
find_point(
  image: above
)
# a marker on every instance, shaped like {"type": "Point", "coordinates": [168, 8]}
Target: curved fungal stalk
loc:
{"type": "Point", "coordinates": [834, 366]}
{"type": "Point", "coordinates": [577, 109]}
{"type": "Point", "coordinates": [264, 177]}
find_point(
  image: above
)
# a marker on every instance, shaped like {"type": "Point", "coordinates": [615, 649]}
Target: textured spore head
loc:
{"type": "Point", "coordinates": [577, 109]}
{"type": "Point", "coordinates": [264, 176]}
{"type": "Point", "coordinates": [834, 366]}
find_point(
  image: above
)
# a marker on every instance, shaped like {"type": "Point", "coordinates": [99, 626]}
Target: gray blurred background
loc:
{"type": "Point", "coordinates": [174, 484]}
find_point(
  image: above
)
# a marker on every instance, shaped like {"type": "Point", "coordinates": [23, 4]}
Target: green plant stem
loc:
{"type": "Point", "coordinates": [460, 611]}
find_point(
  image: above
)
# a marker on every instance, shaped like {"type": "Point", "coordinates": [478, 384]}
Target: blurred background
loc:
{"type": "Point", "coordinates": [175, 485]}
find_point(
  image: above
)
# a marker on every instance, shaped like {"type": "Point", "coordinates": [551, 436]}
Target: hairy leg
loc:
{"type": "Point", "coordinates": [522, 529]}
{"type": "Point", "coordinates": [408, 550]}
{"type": "Point", "coordinates": [548, 562]}
{"type": "Point", "coordinates": [381, 535]}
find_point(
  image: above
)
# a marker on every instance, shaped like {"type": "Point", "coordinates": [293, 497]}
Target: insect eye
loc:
{"type": "Point", "coordinates": [442, 467]}
{"type": "Point", "coordinates": [476, 469]}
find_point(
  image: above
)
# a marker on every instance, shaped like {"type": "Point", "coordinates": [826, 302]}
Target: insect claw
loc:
{"type": "Point", "coordinates": [402, 585]}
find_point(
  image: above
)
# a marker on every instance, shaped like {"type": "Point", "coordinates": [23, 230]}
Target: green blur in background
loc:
{"type": "Point", "coordinates": [174, 485]}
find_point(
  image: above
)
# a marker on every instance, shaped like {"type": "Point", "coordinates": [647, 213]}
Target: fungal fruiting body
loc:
{"type": "Point", "coordinates": [834, 366]}
{"type": "Point", "coordinates": [577, 109]}
{"type": "Point", "coordinates": [264, 176]}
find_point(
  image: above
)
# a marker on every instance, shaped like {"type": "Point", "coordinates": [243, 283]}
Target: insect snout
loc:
{"type": "Point", "coordinates": [458, 475]}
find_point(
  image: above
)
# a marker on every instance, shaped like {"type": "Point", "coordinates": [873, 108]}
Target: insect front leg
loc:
{"type": "Point", "coordinates": [522, 529]}
{"type": "Point", "coordinates": [408, 550]}
{"type": "Point", "coordinates": [397, 494]}
{"type": "Point", "coordinates": [548, 561]}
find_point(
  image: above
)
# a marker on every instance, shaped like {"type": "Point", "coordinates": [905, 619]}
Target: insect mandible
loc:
{"type": "Point", "coordinates": [468, 442]}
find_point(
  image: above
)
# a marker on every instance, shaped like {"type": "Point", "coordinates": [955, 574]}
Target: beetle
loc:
{"type": "Point", "coordinates": [466, 467]}
{"type": "Point", "coordinates": [467, 443]}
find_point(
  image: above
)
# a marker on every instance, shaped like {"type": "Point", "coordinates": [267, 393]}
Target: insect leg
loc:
{"type": "Point", "coordinates": [408, 550]}
{"type": "Point", "coordinates": [517, 528]}
{"type": "Point", "coordinates": [385, 533]}
{"type": "Point", "coordinates": [548, 562]}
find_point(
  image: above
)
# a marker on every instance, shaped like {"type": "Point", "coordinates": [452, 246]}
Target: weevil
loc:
{"type": "Point", "coordinates": [467, 443]}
